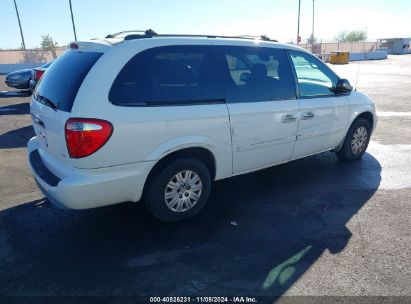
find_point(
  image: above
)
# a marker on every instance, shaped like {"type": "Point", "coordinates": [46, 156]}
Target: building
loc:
{"type": "Point", "coordinates": [395, 45]}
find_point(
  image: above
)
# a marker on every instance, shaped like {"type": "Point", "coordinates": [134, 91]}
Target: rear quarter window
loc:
{"type": "Point", "coordinates": [169, 75]}
{"type": "Point", "coordinates": [62, 80]}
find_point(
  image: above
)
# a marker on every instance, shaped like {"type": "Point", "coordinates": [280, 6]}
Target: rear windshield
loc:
{"type": "Point", "coordinates": [63, 78]}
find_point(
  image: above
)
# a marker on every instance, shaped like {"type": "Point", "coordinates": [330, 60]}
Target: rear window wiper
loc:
{"type": "Point", "coordinates": [46, 101]}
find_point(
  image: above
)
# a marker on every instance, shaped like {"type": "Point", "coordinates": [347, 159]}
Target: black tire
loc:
{"type": "Point", "coordinates": [154, 196]}
{"type": "Point", "coordinates": [346, 152]}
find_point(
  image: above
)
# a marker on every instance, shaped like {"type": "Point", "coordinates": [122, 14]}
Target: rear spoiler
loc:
{"type": "Point", "coordinates": [90, 46]}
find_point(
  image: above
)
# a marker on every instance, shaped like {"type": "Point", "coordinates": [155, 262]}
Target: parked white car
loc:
{"type": "Point", "coordinates": [158, 118]}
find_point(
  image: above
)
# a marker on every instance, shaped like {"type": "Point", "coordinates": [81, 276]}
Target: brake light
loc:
{"type": "Point", "coordinates": [73, 46]}
{"type": "Point", "coordinates": [39, 73]}
{"type": "Point", "coordinates": [84, 136]}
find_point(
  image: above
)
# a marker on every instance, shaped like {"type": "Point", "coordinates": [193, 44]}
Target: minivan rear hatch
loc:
{"type": "Point", "coordinates": [54, 96]}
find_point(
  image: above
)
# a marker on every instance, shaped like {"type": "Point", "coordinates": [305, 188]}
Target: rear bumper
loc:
{"type": "Point", "coordinates": [87, 188]}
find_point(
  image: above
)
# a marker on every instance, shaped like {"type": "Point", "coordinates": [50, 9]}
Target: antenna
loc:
{"type": "Point", "coordinates": [358, 74]}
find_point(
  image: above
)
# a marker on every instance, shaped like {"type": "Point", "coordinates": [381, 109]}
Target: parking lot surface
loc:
{"type": "Point", "coordinates": [312, 227]}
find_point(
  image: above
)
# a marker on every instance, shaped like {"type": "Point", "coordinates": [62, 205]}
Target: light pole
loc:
{"type": "Point", "coordinates": [72, 21]}
{"type": "Point", "coordinates": [312, 31]}
{"type": "Point", "coordinates": [298, 24]}
{"type": "Point", "coordinates": [21, 30]}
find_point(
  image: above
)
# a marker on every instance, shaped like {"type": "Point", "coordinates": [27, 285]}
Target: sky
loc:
{"type": "Point", "coordinates": [275, 18]}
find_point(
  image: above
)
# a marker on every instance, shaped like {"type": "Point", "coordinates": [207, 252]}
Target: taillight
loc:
{"type": "Point", "coordinates": [39, 73]}
{"type": "Point", "coordinates": [84, 136]}
{"type": "Point", "coordinates": [73, 46]}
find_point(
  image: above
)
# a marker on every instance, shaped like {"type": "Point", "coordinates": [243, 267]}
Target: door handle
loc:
{"type": "Point", "coordinates": [288, 118]}
{"type": "Point", "coordinates": [307, 115]}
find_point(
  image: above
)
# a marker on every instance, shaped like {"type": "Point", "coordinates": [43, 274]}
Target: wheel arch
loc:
{"type": "Point", "coordinates": [198, 152]}
{"type": "Point", "coordinates": [366, 114]}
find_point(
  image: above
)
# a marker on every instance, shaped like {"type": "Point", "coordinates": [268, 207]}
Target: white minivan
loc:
{"type": "Point", "coordinates": [158, 118]}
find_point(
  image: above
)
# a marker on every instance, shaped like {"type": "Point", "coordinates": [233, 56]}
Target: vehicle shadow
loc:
{"type": "Point", "coordinates": [15, 109]}
{"type": "Point", "coordinates": [16, 93]}
{"type": "Point", "coordinates": [258, 234]}
{"type": "Point", "coordinates": [17, 138]}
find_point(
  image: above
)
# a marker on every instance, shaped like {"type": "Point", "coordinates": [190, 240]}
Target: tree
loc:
{"type": "Point", "coordinates": [48, 44]}
{"type": "Point", "coordinates": [312, 39]}
{"type": "Point", "coordinates": [33, 56]}
{"type": "Point", "coordinates": [352, 36]}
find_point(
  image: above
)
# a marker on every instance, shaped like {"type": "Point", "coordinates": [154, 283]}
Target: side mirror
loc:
{"type": "Point", "coordinates": [343, 86]}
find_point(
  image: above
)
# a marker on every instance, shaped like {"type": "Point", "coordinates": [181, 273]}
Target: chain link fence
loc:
{"type": "Point", "coordinates": [328, 47]}
{"type": "Point", "coordinates": [12, 60]}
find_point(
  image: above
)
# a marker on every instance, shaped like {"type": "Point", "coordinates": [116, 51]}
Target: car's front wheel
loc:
{"type": "Point", "coordinates": [356, 141]}
{"type": "Point", "coordinates": [178, 191]}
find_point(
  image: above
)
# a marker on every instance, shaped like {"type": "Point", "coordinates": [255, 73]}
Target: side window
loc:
{"type": "Point", "coordinates": [256, 74]}
{"type": "Point", "coordinates": [314, 77]}
{"type": "Point", "coordinates": [168, 75]}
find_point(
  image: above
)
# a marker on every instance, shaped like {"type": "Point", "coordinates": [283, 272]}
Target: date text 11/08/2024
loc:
{"type": "Point", "coordinates": [203, 300]}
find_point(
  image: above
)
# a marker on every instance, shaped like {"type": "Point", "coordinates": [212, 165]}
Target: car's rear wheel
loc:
{"type": "Point", "coordinates": [356, 141]}
{"type": "Point", "coordinates": [179, 191]}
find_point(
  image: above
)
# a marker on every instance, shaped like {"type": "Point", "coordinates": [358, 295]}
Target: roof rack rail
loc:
{"type": "Point", "coordinates": [262, 37]}
{"type": "Point", "coordinates": [150, 34]}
